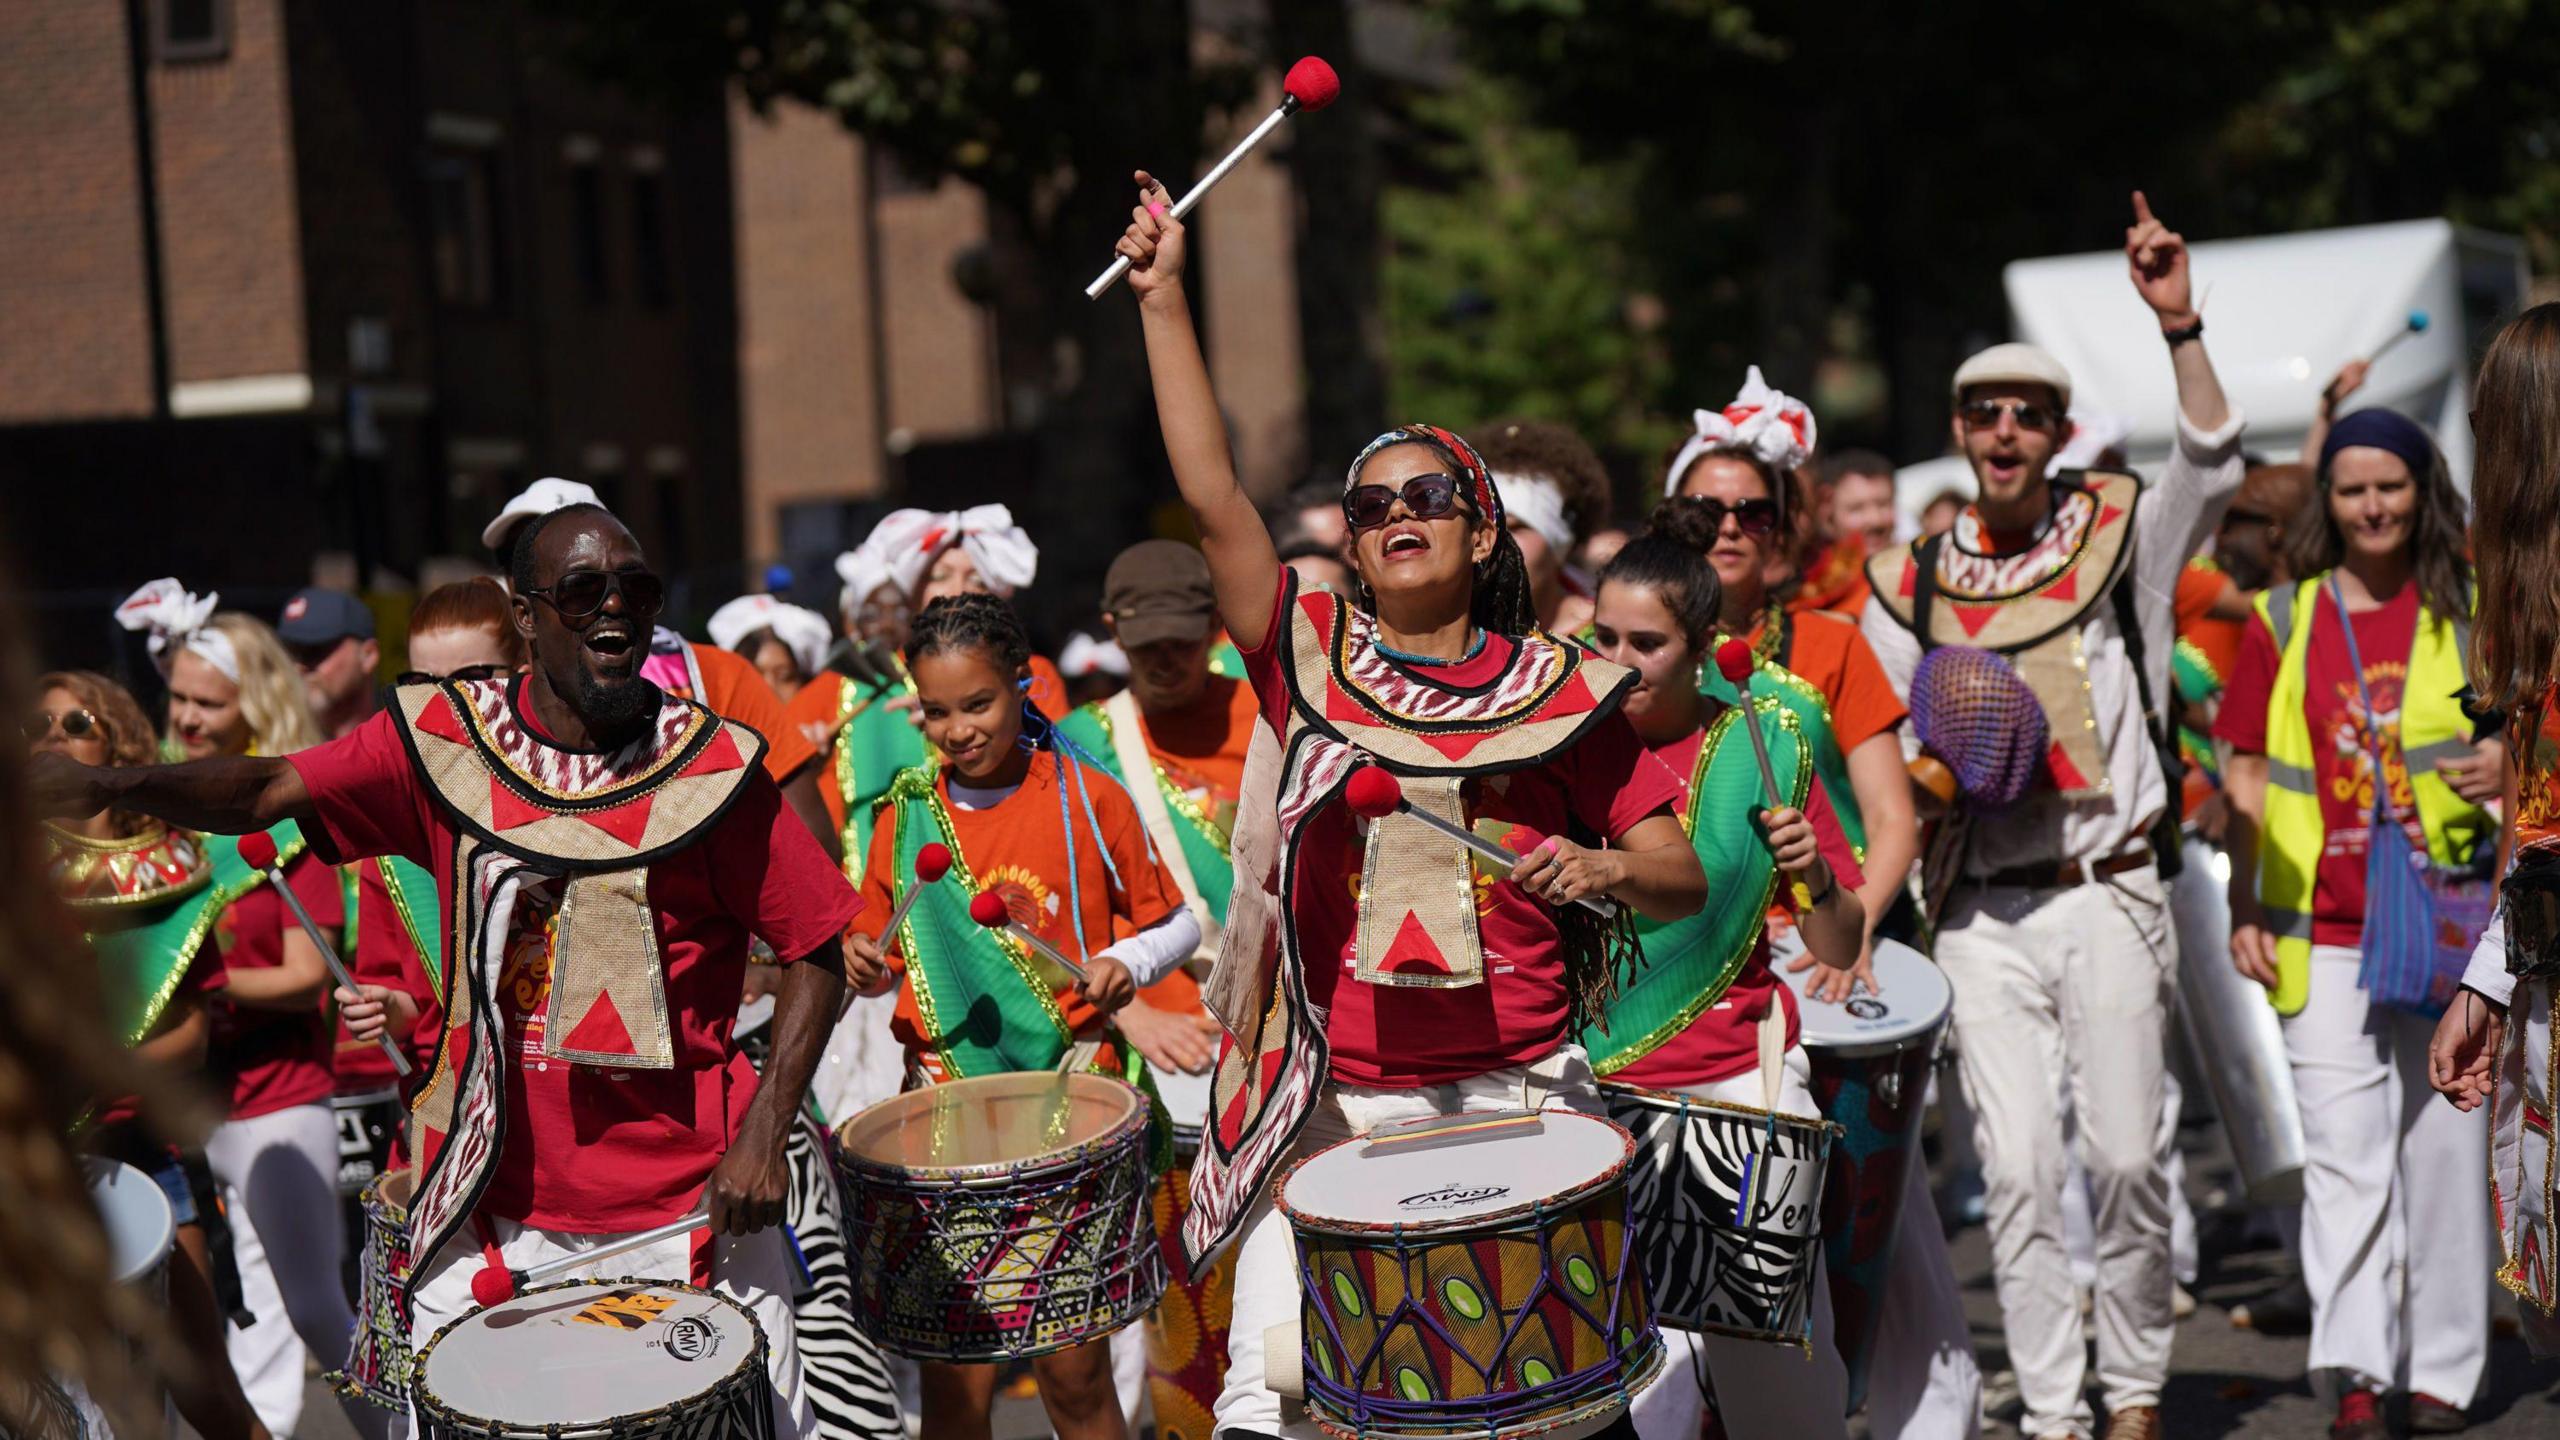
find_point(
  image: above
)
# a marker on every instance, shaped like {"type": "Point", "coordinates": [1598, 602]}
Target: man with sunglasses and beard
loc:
{"type": "Point", "coordinates": [612, 848]}
{"type": "Point", "coordinates": [2053, 921]}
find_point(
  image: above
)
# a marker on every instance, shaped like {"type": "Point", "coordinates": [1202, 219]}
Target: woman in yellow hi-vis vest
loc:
{"type": "Point", "coordinates": [2347, 702]}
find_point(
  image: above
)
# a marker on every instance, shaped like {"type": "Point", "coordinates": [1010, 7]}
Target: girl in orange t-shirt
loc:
{"type": "Point", "coordinates": [1029, 820]}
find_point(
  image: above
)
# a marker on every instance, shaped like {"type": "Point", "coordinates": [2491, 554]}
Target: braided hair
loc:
{"type": "Point", "coordinates": [985, 625]}
{"type": "Point", "coordinates": [1500, 600]}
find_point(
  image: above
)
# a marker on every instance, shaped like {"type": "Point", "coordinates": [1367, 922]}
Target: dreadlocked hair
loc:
{"type": "Point", "coordinates": [1601, 953]}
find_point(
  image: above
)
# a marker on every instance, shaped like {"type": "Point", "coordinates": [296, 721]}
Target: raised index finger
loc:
{"type": "Point", "coordinates": [2141, 208]}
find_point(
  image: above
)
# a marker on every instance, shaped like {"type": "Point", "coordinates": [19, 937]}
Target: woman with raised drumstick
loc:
{"type": "Point", "coordinates": [1370, 984]}
{"type": "Point", "coordinates": [1028, 820]}
{"type": "Point", "coordinates": [1689, 1023]}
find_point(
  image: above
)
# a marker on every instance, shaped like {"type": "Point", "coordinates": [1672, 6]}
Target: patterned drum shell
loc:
{"type": "Point", "coordinates": [1726, 1201]}
{"type": "Point", "coordinates": [1002, 1216]}
{"type": "Point", "coordinates": [591, 1359]}
{"type": "Point", "coordinates": [1443, 1296]}
{"type": "Point", "coordinates": [378, 1351]}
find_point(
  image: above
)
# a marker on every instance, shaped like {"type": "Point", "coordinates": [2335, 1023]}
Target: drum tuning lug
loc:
{"type": "Point", "coordinates": [1889, 1088]}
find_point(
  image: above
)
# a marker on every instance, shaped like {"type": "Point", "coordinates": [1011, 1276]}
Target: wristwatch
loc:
{"type": "Point", "coordinates": [2193, 330]}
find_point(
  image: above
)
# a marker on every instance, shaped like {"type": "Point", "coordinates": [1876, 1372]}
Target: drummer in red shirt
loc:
{"type": "Point", "coordinates": [577, 778]}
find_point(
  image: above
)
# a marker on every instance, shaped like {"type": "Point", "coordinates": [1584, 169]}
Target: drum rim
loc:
{"type": "Point", "coordinates": [1615, 1175]}
{"type": "Point", "coordinates": [427, 1402]}
{"type": "Point", "coordinates": [1865, 1045]}
{"type": "Point", "coordinates": [98, 1168]}
{"type": "Point", "coordinates": [373, 1197]}
{"type": "Point", "coordinates": [1674, 1100]}
{"type": "Point", "coordinates": [942, 1177]}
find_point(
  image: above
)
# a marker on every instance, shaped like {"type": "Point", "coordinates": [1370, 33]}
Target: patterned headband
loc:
{"type": "Point", "coordinates": [1457, 454]}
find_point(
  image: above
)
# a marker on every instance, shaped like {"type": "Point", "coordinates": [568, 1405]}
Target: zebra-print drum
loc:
{"type": "Point", "coordinates": [590, 1359]}
{"type": "Point", "coordinates": [1472, 1275]}
{"type": "Point", "coordinates": [844, 1375]}
{"type": "Point", "coordinates": [1726, 1201]}
{"type": "Point", "coordinates": [378, 1349]}
{"type": "Point", "coordinates": [1002, 1216]}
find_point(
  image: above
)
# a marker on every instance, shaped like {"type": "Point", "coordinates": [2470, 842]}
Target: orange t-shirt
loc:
{"type": "Point", "coordinates": [2199, 586]}
{"type": "Point", "coordinates": [1828, 652]}
{"type": "Point", "coordinates": [1201, 748]}
{"type": "Point", "coordinates": [1015, 848]}
{"type": "Point", "coordinates": [734, 690]}
{"type": "Point", "coordinates": [811, 715]}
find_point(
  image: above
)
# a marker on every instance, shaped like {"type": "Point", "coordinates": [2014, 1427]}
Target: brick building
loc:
{"type": "Point", "coordinates": [297, 288]}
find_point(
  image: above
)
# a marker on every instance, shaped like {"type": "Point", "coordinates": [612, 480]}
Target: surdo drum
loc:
{"type": "Point", "coordinates": [591, 1359]}
{"type": "Point", "coordinates": [1001, 1216]}
{"type": "Point", "coordinates": [1473, 1275]}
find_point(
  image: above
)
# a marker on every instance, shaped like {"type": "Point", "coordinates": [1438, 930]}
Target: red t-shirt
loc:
{"type": "Point", "coordinates": [604, 1148]}
{"type": "Point", "coordinates": [1724, 1040]}
{"type": "Point", "coordinates": [1408, 1036]}
{"type": "Point", "coordinates": [273, 1059]}
{"type": "Point", "coordinates": [386, 956]}
{"type": "Point", "coordinates": [2343, 769]}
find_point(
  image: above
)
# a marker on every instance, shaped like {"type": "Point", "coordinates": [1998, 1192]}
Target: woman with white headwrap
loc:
{"type": "Point", "coordinates": [233, 690]}
{"type": "Point", "coordinates": [1555, 492]}
{"type": "Point", "coordinates": [786, 643]}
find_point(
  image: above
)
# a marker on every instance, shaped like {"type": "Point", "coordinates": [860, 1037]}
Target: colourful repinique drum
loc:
{"type": "Point", "coordinates": [1001, 1216]}
{"type": "Point", "coordinates": [1727, 1205]}
{"type": "Point", "coordinates": [1871, 1055]}
{"type": "Point", "coordinates": [1471, 1276]}
{"type": "Point", "coordinates": [626, 1359]}
{"type": "Point", "coordinates": [378, 1352]}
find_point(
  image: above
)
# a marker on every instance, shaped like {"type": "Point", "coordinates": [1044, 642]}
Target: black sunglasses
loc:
{"type": "Point", "coordinates": [581, 593]}
{"type": "Point", "coordinates": [468, 673]}
{"type": "Point", "coordinates": [75, 724]}
{"type": "Point", "coordinates": [1985, 414]}
{"type": "Point", "coordinates": [1425, 497]}
{"type": "Point", "coordinates": [1755, 517]}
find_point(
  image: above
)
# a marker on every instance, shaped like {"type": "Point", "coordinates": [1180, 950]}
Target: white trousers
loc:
{"type": "Point", "coordinates": [756, 1271]}
{"type": "Point", "coordinates": [2394, 1235]}
{"type": "Point", "coordinates": [2079, 1225]}
{"type": "Point", "coordinates": [2075, 984]}
{"type": "Point", "coordinates": [279, 1179]}
{"type": "Point", "coordinates": [1266, 1265]}
{"type": "Point", "coordinates": [1762, 1391]}
{"type": "Point", "coordinates": [1923, 1382]}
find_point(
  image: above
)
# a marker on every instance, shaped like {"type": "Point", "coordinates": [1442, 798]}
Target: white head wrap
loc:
{"type": "Point", "coordinates": [862, 571]}
{"type": "Point", "coordinates": [539, 498]}
{"type": "Point", "coordinates": [805, 633]}
{"type": "Point", "coordinates": [175, 621]}
{"type": "Point", "coordinates": [906, 543]}
{"type": "Point", "coordinates": [2093, 433]}
{"type": "Point", "coordinates": [1537, 502]}
{"type": "Point", "coordinates": [1085, 655]}
{"type": "Point", "coordinates": [1772, 427]}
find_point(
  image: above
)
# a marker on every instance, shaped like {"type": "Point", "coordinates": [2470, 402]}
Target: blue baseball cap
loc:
{"type": "Point", "coordinates": [316, 616]}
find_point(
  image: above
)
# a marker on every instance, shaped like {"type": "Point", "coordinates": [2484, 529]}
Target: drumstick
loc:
{"type": "Point", "coordinates": [932, 863]}
{"type": "Point", "coordinates": [258, 850]}
{"type": "Point", "coordinates": [1733, 661]}
{"type": "Point", "coordinates": [496, 1284]}
{"type": "Point", "coordinates": [988, 909]}
{"type": "Point", "coordinates": [1374, 794]}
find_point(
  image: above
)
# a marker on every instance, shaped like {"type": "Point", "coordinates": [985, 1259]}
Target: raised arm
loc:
{"type": "Point", "coordinates": [2158, 257]}
{"type": "Point", "coordinates": [1243, 567]}
{"type": "Point", "coordinates": [225, 797]}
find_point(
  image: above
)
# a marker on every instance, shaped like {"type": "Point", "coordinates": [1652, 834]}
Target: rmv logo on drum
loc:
{"type": "Point", "coordinates": [691, 1337]}
{"type": "Point", "coordinates": [1453, 1196]}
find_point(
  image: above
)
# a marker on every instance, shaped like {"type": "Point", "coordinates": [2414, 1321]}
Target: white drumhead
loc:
{"type": "Point", "coordinates": [753, 1015]}
{"type": "Point", "coordinates": [1455, 1178]}
{"type": "Point", "coordinates": [1186, 1097]}
{"type": "Point", "coordinates": [988, 1121]}
{"type": "Point", "coordinates": [1914, 999]}
{"type": "Point", "coordinates": [583, 1353]}
{"type": "Point", "coordinates": [140, 1225]}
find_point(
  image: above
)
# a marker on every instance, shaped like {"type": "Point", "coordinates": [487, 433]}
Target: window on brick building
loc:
{"type": "Point", "coordinates": [586, 227]}
{"type": "Point", "coordinates": [462, 200]}
{"type": "Point", "coordinates": [191, 29]}
{"type": "Point", "coordinates": [652, 272]}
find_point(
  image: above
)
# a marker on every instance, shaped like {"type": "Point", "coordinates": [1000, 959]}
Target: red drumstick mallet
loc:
{"type": "Point", "coordinates": [496, 1284]}
{"type": "Point", "coordinates": [1373, 794]}
{"type": "Point", "coordinates": [988, 909]}
{"type": "Point", "coordinates": [258, 852]}
{"type": "Point", "coordinates": [1733, 661]}
{"type": "Point", "coordinates": [932, 863]}
{"type": "Point", "coordinates": [1311, 85]}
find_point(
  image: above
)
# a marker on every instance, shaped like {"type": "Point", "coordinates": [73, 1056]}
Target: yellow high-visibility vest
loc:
{"type": "Point", "coordinates": [2293, 835]}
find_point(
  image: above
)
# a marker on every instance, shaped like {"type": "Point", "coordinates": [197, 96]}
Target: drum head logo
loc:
{"type": "Point", "coordinates": [1866, 1007]}
{"type": "Point", "coordinates": [1453, 1197]}
{"type": "Point", "coordinates": [691, 1337]}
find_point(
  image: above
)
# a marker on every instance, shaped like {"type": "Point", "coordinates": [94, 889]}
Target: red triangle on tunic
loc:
{"type": "Point", "coordinates": [2066, 776]}
{"type": "Point", "coordinates": [625, 822]}
{"type": "Point", "coordinates": [2108, 515]}
{"type": "Point", "coordinates": [1413, 949]}
{"type": "Point", "coordinates": [433, 1144]}
{"type": "Point", "coordinates": [718, 756]}
{"type": "Point", "coordinates": [507, 809]}
{"type": "Point", "coordinates": [1910, 586]}
{"type": "Point", "coordinates": [437, 718]}
{"type": "Point", "coordinates": [1973, 617]}
{"type": "Point", "coordinates": [602, 1031]}
{"type": "Point", "coordinates": [2065, 586]}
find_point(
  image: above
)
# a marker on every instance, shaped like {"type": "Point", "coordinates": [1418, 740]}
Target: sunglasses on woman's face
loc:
{"type": "Point", "coordinates": [581, 593]}
{"type": "Point", "coordinates": [491, 671]}
{"type": "Point", "coordinates": [1755, 517]}
{"type": "Point", "coordinates": [76, 724]}
{"type": "Point", "coordinates": [1425, 497]}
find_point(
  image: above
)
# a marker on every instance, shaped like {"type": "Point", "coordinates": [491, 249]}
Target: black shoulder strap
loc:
{"type": "Point", "coordinates": [1924, 588]}
{"type": "Point", "coordinates": [2159, 727]}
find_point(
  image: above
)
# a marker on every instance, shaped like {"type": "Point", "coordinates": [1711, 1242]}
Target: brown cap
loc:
{"type": "Point", "coordinates": [1159, 590]}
